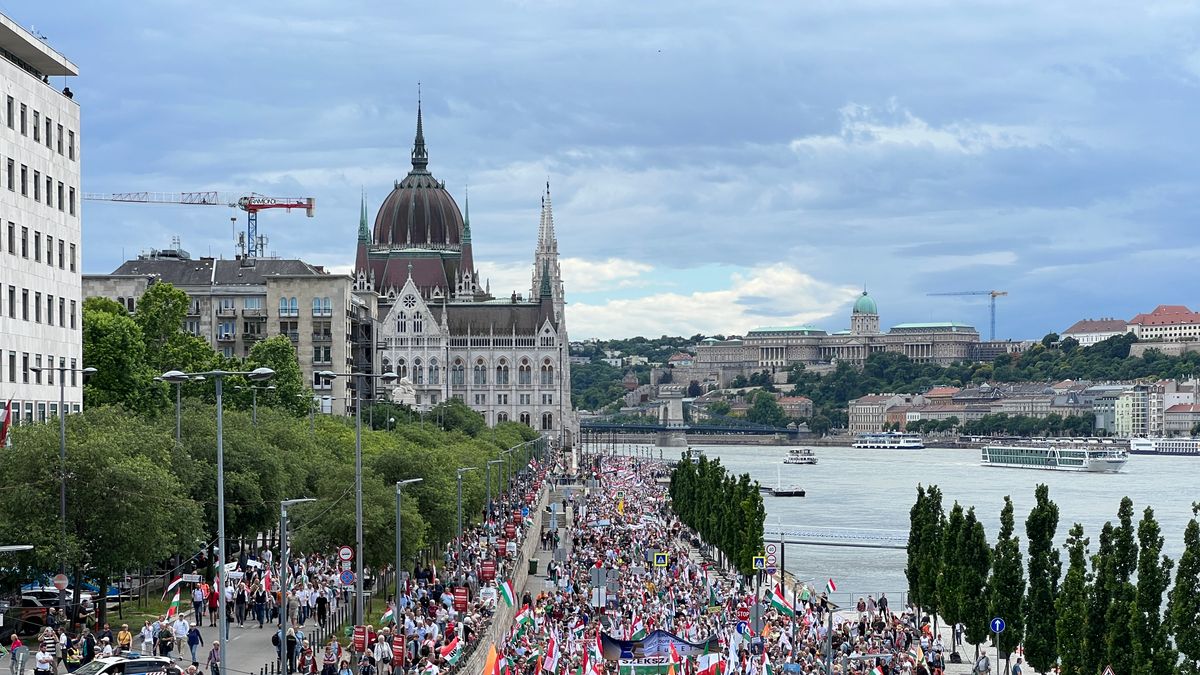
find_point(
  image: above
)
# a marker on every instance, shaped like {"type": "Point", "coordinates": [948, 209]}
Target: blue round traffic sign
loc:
{"type": "Point", "coordinates": [742, 627]}
{"type": "Point", "coordinates": [772, 570]}
{"type": "Point", "coordinates": [997, 625]}
{"type": "Point", "coordinates": [347, 577]}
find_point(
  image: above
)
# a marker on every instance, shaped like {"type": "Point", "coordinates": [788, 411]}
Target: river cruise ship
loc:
{"type": "Point", "coordinates": [1055, 457]}
{"type": "Point", "coordinates": [800, 456]}
{"type": "Point", "coordinates": [889, 440]}
{"type": "Point", "coordinates": [1174, 447]}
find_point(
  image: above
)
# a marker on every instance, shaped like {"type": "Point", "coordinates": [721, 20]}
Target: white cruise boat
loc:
{"type": "Point", "coordinates": [800, 456]}
{"type": "Point", "coordinates": [1174, 447]}
{"type": "Point", "coordinates": [1055, 457]}
{"type": "Point", "coordinates": [889, 440]}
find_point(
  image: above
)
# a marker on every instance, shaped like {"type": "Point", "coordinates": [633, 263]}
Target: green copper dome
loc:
{"type": "Point", "coordinates": [865, 305]}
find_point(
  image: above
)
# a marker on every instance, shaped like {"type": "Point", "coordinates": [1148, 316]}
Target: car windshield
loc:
{"type": "Point", "coordinates": [93, 668]}
{"type": "Point", "coordinates": [140, 667]}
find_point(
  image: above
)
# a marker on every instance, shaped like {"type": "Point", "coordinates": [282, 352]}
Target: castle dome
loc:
{"type": "Point", "coordinates": [419, 212]}
{"type": "Point", "coordinates": [865, 305]}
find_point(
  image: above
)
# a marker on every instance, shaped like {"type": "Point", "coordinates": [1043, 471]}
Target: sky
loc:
{"type": "Point", "coordinates": [714, 166]}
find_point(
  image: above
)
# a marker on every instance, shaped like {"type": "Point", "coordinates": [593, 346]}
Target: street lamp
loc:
{"type": "Point", "coordinates": [218, 376]}
{"type": "Point", "coordinates": [359, 383]}
{"type": "Point", "coordinates": [489, 482]}
{"type": "Point", "coordinates": [62, 455]}
{"type": "Point", "coordinates": [283, 570]}
{"type": "Point", "coordinates": [178, 406]}
{"type": "Point", "coordinates": [459, 475]}
{"type": "Point", "coordinates": [254, 400]}
{"type": "Point", "coordinates": [399, 565]}
{"type": "Point", "coordinates": [390, 423]}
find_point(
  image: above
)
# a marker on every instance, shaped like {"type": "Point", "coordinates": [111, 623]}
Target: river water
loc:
{"type": "Point", "coordinates": [850, 488]}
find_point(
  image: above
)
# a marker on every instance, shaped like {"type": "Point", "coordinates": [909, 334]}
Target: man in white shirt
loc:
{"type": "Point", "coordinates": [43, 662]}
{"type": "Point", "coordinates": [180, 630]}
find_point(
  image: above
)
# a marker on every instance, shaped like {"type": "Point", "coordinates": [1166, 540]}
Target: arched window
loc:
{"type": "Point", "coordinates": [524, 373]}
{"type": "Point", "coordinates": [283, 307]}
{"type": "Point", "coordinates": [547, 373]}
{"type": "Point", "coordinates": [387, 365]}
{"type": "Point", "coordinates": [502, 372]}
{"type": "Point", "coordinates": [327, 307]}
{"type": "Point", "coordinates": [316, 307]}
{"type": "Point", "coordinates": [458, 373]}
{"type": "Point", "coordinates": [479, 376]}
{"type": "Point", "coordinates": [418, 322]}
{"type": "Point", "coordinates": [547, 421]}
{"type": "Point", "coordinates": [418, 372]}
{"type": "Point", "coordinates": [401, 322]}
{"type": "Point", "coordinates": [525, 419]}
{"type": "Point", "coordinates": [501, 417]}
{"type": "Point", "coordinates": [435, 373]}
{"type": "Point", "coordinates": [294, 307]}
{"type": "Point", "coordinates": [401, 368]}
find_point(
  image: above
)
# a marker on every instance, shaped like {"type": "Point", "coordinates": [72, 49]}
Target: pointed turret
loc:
{"type": "Point", "coordinates": [364, 233]}
{"type": "Point", "coordinates": [545, 258]}
{"type": "Point", "coordinates": [545, 291]}
{"type": "Point", "coordinates": [420, 156]}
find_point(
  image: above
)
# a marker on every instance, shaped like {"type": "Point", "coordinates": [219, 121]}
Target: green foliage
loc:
{"type": "Point", "coordinates": [1152, 650]}
{"type": "Point", "coordinates": [1070, 628]}
{"type": "Point", "coordinates": [913, 563]}
{"type": "Point", "coordinates": [819, 424]}
{"type": "Point", "coordinates": [932, 526]}
{"type": "Point", "coordinates": [728, 513]}
{"type": "Point", "coordinates": [595, 385]}
{"type": "Point", "coordinates": [278, 354]}
{"type": "Point", "coordinates": [1095, 645]}
{"type": "Point", "coordinates": [1118, 642]}
{"type": "Point", "coordinates": [1041, 648]}
{"type": "Point", "coordinates": [160, 314]}
{"type": "Point", "coordinates": [949, 583]}
{"type": "Point", "coordinates": [977, 561]}
{"type": "Point", "coordinates": [1022, 425]}
{"type": "Point", "coordinates": [719, 407]}
{"type": "Point", "coordinates": [1006, 587]}
{"type": "Point", "coordinates": [766, 410]}
{"type": "Point", "coordinates": [1183, 610]}
{"type": "Point", "coordinates": [113, 344]}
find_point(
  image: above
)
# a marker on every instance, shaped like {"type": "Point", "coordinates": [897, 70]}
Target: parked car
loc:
{"type": "Point", "coordinates": [126, 665]}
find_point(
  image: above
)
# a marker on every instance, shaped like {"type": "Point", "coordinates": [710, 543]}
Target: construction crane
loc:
{"type": "Point", "coordinates": [253, 245]}
{"type": "Point", "coordinates": [992, 294]}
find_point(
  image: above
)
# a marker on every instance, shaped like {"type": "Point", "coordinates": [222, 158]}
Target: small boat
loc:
{"type": "Point", "coordinates": [779, 490]}
{"type": "Point", "coordinates": [1055, 457]}
{"type": "Point", "coordinates": [889, 440]}
{"type": "Point", "coordinates": [1178, 447]}
{"type": "Point", "coordinates": [800, 456]}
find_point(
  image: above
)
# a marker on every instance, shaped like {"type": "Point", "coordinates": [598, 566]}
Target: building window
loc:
{"type": "Point", "coordinates": [480, 399]}
{"type": "Point", "coordinates": [525, 418]}
{"type": "Point", "coordinates": [12, 302]}
{"type": "Point", "coordinates": [62, 311]}
{"type": "Point", "coordinates": [37, 374]}
{"type": "Point", "coordinates": [71, 145]}
{"type": "Point", "coordinates": [9, 112]}
{"type": "Point", "coordinates": [24, 120]}
{"type": "Point", "coordinates": [61, 190]}
{"type": "Point", "coordinates": [12, 175]}
{"type": "Point", "coordinates": [24, 304]}
{"type": "Point", "coordinates": [293, 307]}
{"type": "Point", "coordinates": [322, 354]}
{"type": "Point", "coordinates": [48, 138]}
{"type": "Point", "coordinates": [49, 369]}
{"type": "Point", "coordinates": [74, 370]}
{"type": "Point", "coordinates": [24, 181]}
{"type": "Point", "coordinates": [72, 257]}
{"type": "Point", "coordinates": [502, 372]}
{"type": "Point", "coordinates": [418, 372]}
{"type": "Point", "coordinates": [326, 306]}
{"type": "Point", "coordinates": [502, 399]}
{"type": "Point", "coordinates": [252, 302]}
{"type": "Point", "coordinates": [12, 367]}
{"type": "Point", "coordinates": [49, 190]}
{"type": "Point", "coordinates": [434, 373]}
{"type": "Point", "coordinates": [401, 368]}
{"type": "Point", "coordinates": [547, 399]}
{"type": "Point", "coordinates": [501, 417]}
{"type": "Point", "coordinates": [458, 374]}
{"type": "Point", "coordinates": [50, 250]}
{"type": "Point", "coordinates": [37, 186]}
{"type": "Point", "coordinates": [12, 238]}
{"type": "Point", "coordinates": [547, 421]}
{"type": "Point", "coordinates": [50, 310]}
{"type": "Point", "coordinates": [60, 139]}
{"type": "Point", "coordinates": [72, 315]}
{"type": "Point", "coordinates": [24, 242]}
{"type": "Point", "coordinates": [37, 133]}
{"type": "Point", "coordinates": [401, 322]}
{"type": "Point", "coordinates": [418, 322]}
{"type": "Point", "coordinates": [524, 373]}
{"type": "Point", "coordinates": [479, 376]}
{"type": "Point", "coordinates": [71, 200]}
{"type": "Point", "coordinates": [316, 307]}
{"type": "Point", "coordinates": [37, 246]}
{"type": "Point", "coordinates": [523, 399]}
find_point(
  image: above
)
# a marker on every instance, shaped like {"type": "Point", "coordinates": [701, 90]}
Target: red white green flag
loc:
{"type": "Point", "coordinates": [506, 592]}
{"type": "Point", "coordinates": [780, 602]}
{"type": "Point", "coordinates": [174, 608]}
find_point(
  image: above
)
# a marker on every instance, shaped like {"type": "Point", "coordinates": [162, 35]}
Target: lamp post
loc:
{"type": "Point", "coordinates": [459, 475]}
{"type": "Point", "coordinates": [359, 382]}
{"type": "Point", "coordinates": [399, 565]}
{"type": "Point", "coordinates": [179, 405]}
{"type": "Point", "coordinates": [489, 483]}
{"type": "Point", "coordinates": [283, 570]}
{"type": "Point", "coordinates": [391, 423]}
{"type": "Point", "coordinates": [254, 400]}
{"type": "Point", "coordinates": [62, 456]}
{"type": "Point", "coordinates": [256, 375]}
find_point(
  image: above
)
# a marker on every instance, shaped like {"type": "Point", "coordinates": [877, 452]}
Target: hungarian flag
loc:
{"type": "Point", "coordinates": [830, 587]}
{"type": "Point", "coordinates": [549, 663]}
{"type": "Point", "coordinates": [780, 602]}
{"type": "Point", "coordinates": [525, 617]}
{"type": "Point", "coordinates": [5, 423]}
{"type": "Point", "coordinates": [171, 587]}
{"type": "Point", "coordinates": [267, 580]}
{"type": "Point", "coordinates": [708, 664]}
{"type": "Point", "coordinates": [174, 608]}
{"type": "Point", "coordinates": [452, 652]}
{"type": "Point", "coordinates": [767, 668]}
{"type": "Point", "coordinates": [389, 615]}
{"type": "Point", "coordinates": [638, 629]}
{"type": "Point", "coordinates": [506, 592]}
{"type": "Point", "coordinates": [674, 654]}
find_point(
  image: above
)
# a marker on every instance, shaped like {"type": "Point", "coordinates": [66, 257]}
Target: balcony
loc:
{"type": "Point", "coordinates": [226, 337]}
{"type": "Point", "coordinates": [251, 338]}
{"type": "Point", "coordinates": [322, 337]}
{"type": "Point", "coordinates": [293, 335]}
{"type": "Point", "coordinates": [254, 313]}
{"type": "Point", "coordinates": [289, 312]}
{"type": "Point", "coordinates": [322, 311]}
{"type": "Point", "coordinates": [226, 311]}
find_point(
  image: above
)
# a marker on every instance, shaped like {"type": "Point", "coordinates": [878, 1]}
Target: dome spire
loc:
{"type": "Point", "coordinates": [420, 156]}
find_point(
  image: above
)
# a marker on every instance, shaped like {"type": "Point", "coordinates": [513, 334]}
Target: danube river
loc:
{"type": "Point", "coordinates": [875, 488]}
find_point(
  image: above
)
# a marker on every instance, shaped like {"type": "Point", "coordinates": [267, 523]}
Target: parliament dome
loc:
{"type": "Point", "coordinates": [865, 305]}
{"type": "Point", "coordinates": [419, 212]}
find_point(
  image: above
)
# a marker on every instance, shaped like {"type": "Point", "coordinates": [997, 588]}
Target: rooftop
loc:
{"type": "Point", "coordinates": [1097, 326]}
{"type": "Point", "coordinates": [950, 325]}
{"type": "Point", "coordinates": [1184, 408]}
{"type": "Point", "coordinates": [1167, 315]}
{"type": "Point", "coordinates": [786, 329]}
{"type": "Point", "coordinates": [25, 48]}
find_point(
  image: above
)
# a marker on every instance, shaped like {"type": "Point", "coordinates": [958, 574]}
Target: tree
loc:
{"type": "Point", "coordinates": [291, 392]}
{"type": "Point", "coordinates": [766, 410]}
{"type": "Point", "coordinates": [1118, 644]}
{"type": "Point", "coordinates": [932, 559]}
{"type": "Point", "coordinates": [114, 346]}
{"type": "Point", "coordinates": [1070, 607]}
{"type": "Point", "coordinates": [1096, 642]}
{"type": "Point", "coordinates": [916, 528]}
{"type": "Point", "coordinates": [819, 425]}
{"type": "Point", "coordinates": [1152, 651]}
{"type": "Point", "coordinates": [976, 562]}
{"type": "Point", "coordinates": [161, 313]}
{"type": "Point", "coordinates": [693, 389]}
{"type": "Point", "coordinates": [1044, 569]}
{"type": "Point", "coordinates": [949, 584]}
{"type": "Point", "coordinates": [719, 407]}
{"type": "Point", "coordinates": [1006, 589]}
{"type": "Point", "coordinates": [1183, 609]}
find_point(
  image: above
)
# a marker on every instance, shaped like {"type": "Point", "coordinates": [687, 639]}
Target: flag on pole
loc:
{"type": "Point", "coordinates": [830, 587]}
{"type": "Point", "coordinates": [549, 664]}
{"type": "Point", "coordinates": [5, 423]}
{"type": "Point", "coordinates": [638, 629]}
{"type": "Point", "coordinates": [452, 652]}
{"type": "Point", "coordinates": [708, 664]}
{"type": "Point", "coordinates": [506, 592]}
{"type": "Point", "coordinates": [489, 665]}
{"type": "Point", "coordinates": [780, 602]}
{"type": "Point", "coordinates": [174, 608]}
{"type": "Point", "coordinates": [267, 581]}
{"type": "Point", "coordinates": [767, 668]}
{"type": "Point", "coordinates": [389, 615]}
{"type": "Point", "coordinates": [525, 616]}
{"type": "Point", "coordinates": [172, 586]}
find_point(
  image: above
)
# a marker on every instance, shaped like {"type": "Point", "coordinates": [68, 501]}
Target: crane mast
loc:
{"type": "Point", "coordinates": [992, 295]}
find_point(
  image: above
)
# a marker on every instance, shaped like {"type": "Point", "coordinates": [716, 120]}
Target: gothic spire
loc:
{"type": "Point", "coordinates": [466, 236]}
{"type": "Point", "coordinates": [364, 233]}
{"type": "Point", "coordinates": [420, 156]}
{"type": "Point", "coordinates": [545, 289]}
{"type": "Point", "coordinates": [546, 239]}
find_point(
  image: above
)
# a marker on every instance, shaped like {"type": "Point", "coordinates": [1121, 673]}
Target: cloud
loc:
{"type": "Point", "coordinates": [772, 294]}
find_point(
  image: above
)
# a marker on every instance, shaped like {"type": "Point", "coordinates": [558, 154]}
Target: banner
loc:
{"type": "Point", "coordinates": [651, 665]}
{"type": "Point", "coordinates": [655, 644]}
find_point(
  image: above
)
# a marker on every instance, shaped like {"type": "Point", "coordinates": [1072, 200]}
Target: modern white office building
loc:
{"type": "Point", "coordinates": [40, 286]}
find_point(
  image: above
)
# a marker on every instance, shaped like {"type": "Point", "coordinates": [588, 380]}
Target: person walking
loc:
{"type": "Point", "coordinates": [214, 659]}
{"type": "Point", "coordinates": [214, 601]}
{"type": "Point", "coordinates": [147, 635]}
{"type": "Point", "coordinates": [18, 652]}
{"type": "Point", "coordinates": [124, 639]}
{"type": "Point", "coordinates": [197, 602]}
{"type": "Point", "coordinates": [194, 641]}
{"type": "Point", "coordinates": [260, 605]}
{"type": "Point", "coordinates": [240, 601]}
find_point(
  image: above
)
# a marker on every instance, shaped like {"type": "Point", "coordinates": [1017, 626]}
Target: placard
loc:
{"type": "Point", "coordinates": [461, 598]}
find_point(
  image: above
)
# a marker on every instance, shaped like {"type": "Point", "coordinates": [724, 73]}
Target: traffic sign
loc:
{"type": "Point", "coordinates": [347, 577]}
{"type": "Point", "coordinates": [772, 549]}
{"type": "Point", "coordinates": [772, 570]}
{"type": "Point", "coordinates": [190, 578]}
{"type": "Point", "coordinates": [1108, 671]}
{"type": "Point", "coordinates": [771, 559]}
{"type": "Point", "coordinates": [760, 562]}
{"type": "Point", "coordinates": [743, 614]}
{"type": "Point", "coordinates": [997, 625]}
{"type": "Point", "coordinates": [60, 582]}
{"type": "Point", "coordinates": [660, 559]}
{"type": "Point", "coordinates": [742, 626]}
{"type": "Point", "coordinates": [345, 553]}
